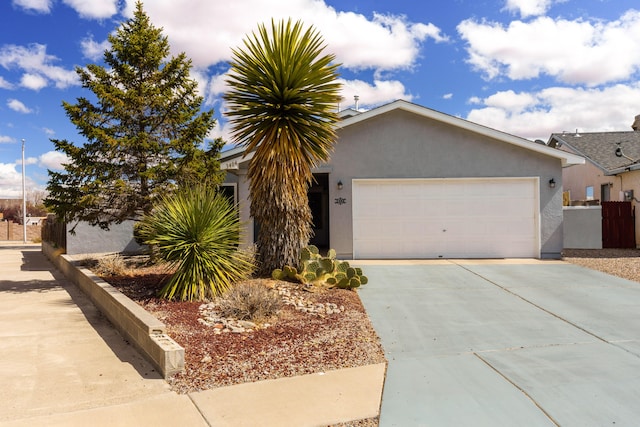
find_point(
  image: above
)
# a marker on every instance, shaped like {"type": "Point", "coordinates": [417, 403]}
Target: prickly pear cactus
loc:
{"type": "Point", "coordinates": [322, 270]}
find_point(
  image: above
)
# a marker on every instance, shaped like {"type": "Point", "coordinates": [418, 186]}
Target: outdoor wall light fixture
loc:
{"type": "Point", "coordinates": [340, 185]}
{"type": "Point", "coordinates": [620, 153]}
{"type": "Point", "coordinates": [552, 183]}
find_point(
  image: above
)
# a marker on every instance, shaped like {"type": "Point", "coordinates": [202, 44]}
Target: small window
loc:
{"type": "Point", "coordinates": [229, 190]}
{"type": "Point", "coordinates": [589, 192]}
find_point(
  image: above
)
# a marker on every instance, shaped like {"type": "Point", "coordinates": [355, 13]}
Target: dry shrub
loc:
{"type": "Point", "coordinates": [110, 265]}
{"type": "Point", "coordinates": [249, 301]}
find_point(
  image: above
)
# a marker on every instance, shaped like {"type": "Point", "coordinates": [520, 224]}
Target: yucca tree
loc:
{"type": "Point", "coordinates": [197, 231]}
{"type": "Point", "coordinates": [282, 104]}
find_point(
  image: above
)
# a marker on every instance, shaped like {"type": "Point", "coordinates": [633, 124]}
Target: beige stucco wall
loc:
{"type": "Point", "coordinates": [577, 178]}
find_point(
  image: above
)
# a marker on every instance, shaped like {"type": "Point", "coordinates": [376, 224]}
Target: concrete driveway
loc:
{"type": "Point", "coordinates": [505, 343]}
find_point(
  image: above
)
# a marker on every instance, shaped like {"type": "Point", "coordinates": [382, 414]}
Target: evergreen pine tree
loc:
{"type": "Point", "coordinates": [144, 131]}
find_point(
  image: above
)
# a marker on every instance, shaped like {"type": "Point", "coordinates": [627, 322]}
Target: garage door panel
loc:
{"type": "Point", "coordinates": [513, 227]}
{"type": "Point", "coordinates": [519, 207]}
{"type": "Point", "coordinates": [431, 218]}
{"type": "Point", "coordinates": [429, 208]}
{"type": "Point", "coordinates": [456, 207]}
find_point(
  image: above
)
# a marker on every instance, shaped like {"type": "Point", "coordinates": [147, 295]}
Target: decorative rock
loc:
{"type": "Point", "coordinates": [290, 296]}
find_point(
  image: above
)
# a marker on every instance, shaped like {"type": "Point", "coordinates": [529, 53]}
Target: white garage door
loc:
{"type": "Point", "coordinates": [446, 218]}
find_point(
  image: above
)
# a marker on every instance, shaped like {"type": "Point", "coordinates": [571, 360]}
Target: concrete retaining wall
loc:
{"type": "Point", "coordinates": [582, 227]}
{"type": "Point", "coordinates": [143, 330]}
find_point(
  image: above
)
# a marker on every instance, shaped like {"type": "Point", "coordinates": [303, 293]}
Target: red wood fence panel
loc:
{"type": "Point", "coordinates": [618, 225]}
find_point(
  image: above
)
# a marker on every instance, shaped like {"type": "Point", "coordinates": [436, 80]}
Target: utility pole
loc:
{"type": "Point", "coordinates": [24, 200]}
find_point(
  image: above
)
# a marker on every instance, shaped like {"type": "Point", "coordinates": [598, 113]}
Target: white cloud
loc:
{"type": "Point", "coordinates": [48, 132]}
{"type": "Point", "coordinates": [92, 49]}
{"type": "Point", "coordinates": [10, 181]}
{"type": "Point", "coordinates": [384, 42]}
{"type": "Point", "coordinates": [33, 81]}
{"type": "Point", "coordinates": [447, 96]}
{"type": "Point", "coordinates": [381, 43]}
{"type": "Point", "coordinates": [40, 6]}
{"type": "Point", "coordinates": [53, 160]}
{"type": "Point", "coordinates": [528, 7]}
{"type": "Point", "coordinates": [509, 100]}
{"type": "Point", "coordinates": [28, 161]}
{"type": "Point", "coordinates": [18, 106]}
{"type": "Point", "coordinates": [35, 61]}
{"type": "Point", "coordinates": [217, 84]}
{"type": "Point", "coordinates": [574, 52]}
{"type": "Point", "coordinates": [222, 130]}
{"type": "Point", "coordinates": [5, 84]}
{"type": "Point", "coordinates": [536, 115]}
{"type": "Point", "coordinates": [381, 92]}
{"type": "Point", "coordinates": [93, 9]}
{"type": "Point", "coordinates": [6, 139]}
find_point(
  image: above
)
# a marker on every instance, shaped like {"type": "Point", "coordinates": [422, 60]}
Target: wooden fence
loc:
{"type": "Point", "coordinates": [55, 232]}
{"type": "Point", "coordinates": [618, 225]}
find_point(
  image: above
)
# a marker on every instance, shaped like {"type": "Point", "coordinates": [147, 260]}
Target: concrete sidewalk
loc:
{"type": "Point", "coordinates": [63, 364]}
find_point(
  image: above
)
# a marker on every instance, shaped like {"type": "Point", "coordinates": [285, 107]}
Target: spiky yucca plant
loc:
{"type": "Point", "coordinates": [197, 231]}
{"type": "Point", "coordinates": [282, 104]}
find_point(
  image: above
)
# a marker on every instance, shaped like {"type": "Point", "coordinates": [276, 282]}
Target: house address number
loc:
{"type": "Point", "coordinates": [340, 201]}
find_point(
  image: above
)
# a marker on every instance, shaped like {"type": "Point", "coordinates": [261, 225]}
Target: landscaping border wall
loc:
{"type": "Point", "coordinates": [142, 329]}
{"type": "Point", "coordinates": [582, 227]}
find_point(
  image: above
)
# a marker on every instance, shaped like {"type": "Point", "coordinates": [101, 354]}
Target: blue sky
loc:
{"type": "Point", "coordinates": [527, 67]}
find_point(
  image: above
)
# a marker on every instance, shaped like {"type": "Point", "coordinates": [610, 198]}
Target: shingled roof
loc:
{"type": "Point", "coordinates": [600, 148]}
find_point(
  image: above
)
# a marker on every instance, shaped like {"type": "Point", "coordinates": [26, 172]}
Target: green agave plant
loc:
{"type": "Point", "coordinates": [197, 231]}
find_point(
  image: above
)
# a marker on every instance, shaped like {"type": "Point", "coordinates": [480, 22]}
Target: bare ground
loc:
{"type": "Point", "coordinates": [624, 263]}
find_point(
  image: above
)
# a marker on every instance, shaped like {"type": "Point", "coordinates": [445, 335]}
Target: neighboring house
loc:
{"type": "Point", "coordinates": [406, 181]}
{"type": "Point", "coordinates": [612, 169]}
{"type": "Point", "coordinates": [35, 220]}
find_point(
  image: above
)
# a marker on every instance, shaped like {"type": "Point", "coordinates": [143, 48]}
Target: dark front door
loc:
{"type": "Point", "coordinates": [319, 204]}
{"type": "Point", "coordinates": [618, 225]}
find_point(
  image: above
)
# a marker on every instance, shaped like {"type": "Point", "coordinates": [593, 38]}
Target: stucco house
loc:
{"type": "Point", "coordinates": [611, 171]}
{"type": "Point", "coordinates": [405, 181]}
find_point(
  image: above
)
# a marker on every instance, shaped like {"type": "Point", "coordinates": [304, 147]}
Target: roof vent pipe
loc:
{"type": "Point", "coordinates": [636, 124]}
{"type": "Point", "coordinates": [356, 98]}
